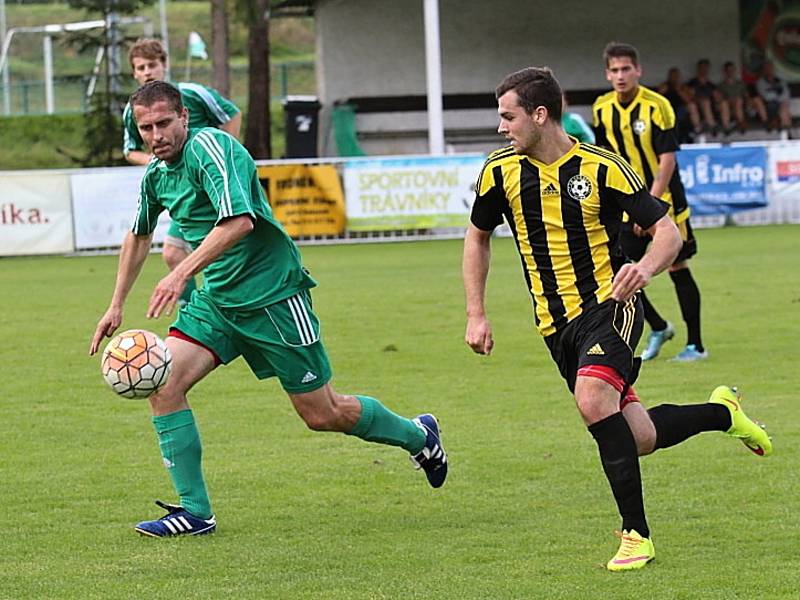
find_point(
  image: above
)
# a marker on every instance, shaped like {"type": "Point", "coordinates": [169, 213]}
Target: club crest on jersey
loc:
{"type": "Point", "coordinates": [579, 187]}
{"type": "Point", "coordinates": [639, 127]}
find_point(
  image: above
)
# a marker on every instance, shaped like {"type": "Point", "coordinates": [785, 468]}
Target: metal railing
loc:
{"type": "Point", "coordinates": [28, 97]}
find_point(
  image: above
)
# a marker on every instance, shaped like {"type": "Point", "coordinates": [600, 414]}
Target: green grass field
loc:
{"type": "Point", "coordinates": [526, 512]}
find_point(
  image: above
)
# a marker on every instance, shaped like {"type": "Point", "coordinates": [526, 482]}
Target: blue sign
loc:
{"type": "Point", "coordinates": [723, 180]}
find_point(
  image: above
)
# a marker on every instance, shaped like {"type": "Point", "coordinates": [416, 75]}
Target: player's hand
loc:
{"type": "Point", "coordinates": [106, 327]}
{"type": "Point", "coordinates": [638, 231]}
{"type": "Point", "coordinates": [479, 335]}
{"type": "Point", "coordinates": [165, 295]}
{"type": "Point", "coordinates": [629, 279]}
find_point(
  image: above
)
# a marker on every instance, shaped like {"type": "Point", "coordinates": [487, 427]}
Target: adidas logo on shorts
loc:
{"type": "Point", "coordinates": [595, 350]}
{"type": "Point", "coordinates": [308, 377]}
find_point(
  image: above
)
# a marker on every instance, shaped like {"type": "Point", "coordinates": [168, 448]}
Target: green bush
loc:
{"type": "Point", "coordinates": [47, 141]}
{"type": "Point", "coordinates": [41, 141]}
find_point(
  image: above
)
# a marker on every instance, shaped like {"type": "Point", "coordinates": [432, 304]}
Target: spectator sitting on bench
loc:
{"type": "Point", "coordinates": [775, 93]}
{"type": "Point", "coordinates": [680, 97]}
{"type": "Point", "coordinates": [706, 95]}
{"type": "Point", "coordinates": [733, 92]}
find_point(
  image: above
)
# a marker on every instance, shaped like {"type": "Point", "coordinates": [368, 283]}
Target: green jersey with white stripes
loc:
{"type": "Point", "coordinates": [216, 178]}
{"type": "Point", "coordinates": [207, 108]}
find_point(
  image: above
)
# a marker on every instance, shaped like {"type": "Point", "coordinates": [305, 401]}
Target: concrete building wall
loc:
{"type": "Point", "coordinates": [376, 48]}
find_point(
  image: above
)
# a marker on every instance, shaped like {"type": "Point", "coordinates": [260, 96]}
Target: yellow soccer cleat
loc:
{"type": "Point", "coordinates": [751, 433]}
{"type": "Point", "coordinates": [634, 552]}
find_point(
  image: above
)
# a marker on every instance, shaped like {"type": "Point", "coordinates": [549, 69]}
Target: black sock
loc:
{"type": "Point", "coordinates": [651, 314]}
{"type": "Point", "coordinates": [621, 465]}
{"type": "Point", "coordinates": [676, 423]}
{"type": "Point", "coordinates": [689, 299]}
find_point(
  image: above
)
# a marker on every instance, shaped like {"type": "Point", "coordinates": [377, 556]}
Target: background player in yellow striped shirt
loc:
{"type": "Point", "coordinates": [639, 125]}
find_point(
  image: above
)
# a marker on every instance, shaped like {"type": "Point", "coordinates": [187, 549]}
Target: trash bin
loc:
{"type": "Point", "coordinates": [302, 118]}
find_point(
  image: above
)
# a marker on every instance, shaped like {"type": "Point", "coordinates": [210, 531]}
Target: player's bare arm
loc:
{"type": "Point", "coordinates": [661, 254]}
{"type": "Point", "coordinates": [135, 249]}
{"type": "Point", "coordinates": [137, 157]}
{"type": "Point", "coordinates": [666, 167]}
{"type": "Point", "coordinates": [233, 126]}
{"type": "Point", "coordinates": [475, 268]}
{"type": "Point", "coordinates": [223, 236]}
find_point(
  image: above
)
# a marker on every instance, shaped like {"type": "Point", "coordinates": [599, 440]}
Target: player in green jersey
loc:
{"type": "Point", "coordinates": [255, 303]}
{"type": "Point", "coordinates": [207, 108]}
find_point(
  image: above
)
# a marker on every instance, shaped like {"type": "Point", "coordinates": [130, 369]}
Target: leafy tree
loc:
{"type": "Point", "coordinates": [219, 47]}
{"type": "Point", "coordinates": [255, 14]}
{"type": "Point", "coordinates": [103, 130]}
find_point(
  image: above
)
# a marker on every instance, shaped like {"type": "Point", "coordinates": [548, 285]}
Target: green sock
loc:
{"type": "Point", "coordinates": [379, 424]}
{"type": "Point", "coordinates": [182, 451]}
{"type": "Point", "coordinates": [191, 286]}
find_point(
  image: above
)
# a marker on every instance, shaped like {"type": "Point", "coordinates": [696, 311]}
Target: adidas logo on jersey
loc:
{"type": "Point", "coordinates": [550, 190]}
{"type": "Point", "coordinates": [308, 377]}
{"type": "Point", "coordinates": [595, 350]}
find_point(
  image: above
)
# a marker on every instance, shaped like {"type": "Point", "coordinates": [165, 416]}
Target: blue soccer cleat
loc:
{"type": "Point", "coordinates": [177, 521]}
{"type": "Point", "coordinates": [656, 340]}
{"type": "Point", "coordinates": [432, 459]}
{"type": "Point", "coordinates": [690, 354]}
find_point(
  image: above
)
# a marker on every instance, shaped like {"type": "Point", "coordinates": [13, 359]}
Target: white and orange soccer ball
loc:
{"type": "Point", "coordinates": [136, 363]}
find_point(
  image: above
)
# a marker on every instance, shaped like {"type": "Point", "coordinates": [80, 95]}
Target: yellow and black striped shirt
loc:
{"type": "Point", "coordinates": [639, 132]}
{"type": "Point", "coordinates": [565, 219]}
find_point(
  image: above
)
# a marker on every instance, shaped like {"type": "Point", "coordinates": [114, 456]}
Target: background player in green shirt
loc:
{"type": "Point", "coordinates": [207, 108]}
{"type": "Point", "coordinates": [255, 303]}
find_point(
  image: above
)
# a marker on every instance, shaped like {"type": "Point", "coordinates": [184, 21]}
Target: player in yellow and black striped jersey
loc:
{"type": "Point", "coordinates": [565, 218]}
{"type": "Point", "coordinates": [564, 201]}
{"type": "Point", "coordinates": [639, 125]}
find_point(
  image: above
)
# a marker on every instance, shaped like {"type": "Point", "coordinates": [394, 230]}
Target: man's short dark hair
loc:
{"type": "Point", "coordinates": [535, 86]}
{"type": "Point", "coordinates": [158, 91]}
{"type": "Point", "coordinates": [620, 50]}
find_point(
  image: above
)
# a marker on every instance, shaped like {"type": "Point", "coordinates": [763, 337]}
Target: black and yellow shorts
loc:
{"type": "Point", "coordinates": [282, 339]}
{"type": "Point", "coordinates": [606, 334]}
{"type": "Point", "coordinates": [634, 246]}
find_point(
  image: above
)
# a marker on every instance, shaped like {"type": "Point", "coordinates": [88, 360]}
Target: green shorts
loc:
{"type": "Point", "coordinates": [280, 340]}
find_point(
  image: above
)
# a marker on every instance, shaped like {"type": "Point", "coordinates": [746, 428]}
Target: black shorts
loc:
{"type": "Point", "coordinates": [634, 246]}
{"type": "Point", "coordinates": [606, 334]}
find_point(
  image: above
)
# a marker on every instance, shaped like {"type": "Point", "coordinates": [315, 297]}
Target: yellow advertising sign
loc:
{"type": "Point", "coordinates": [307, 200]}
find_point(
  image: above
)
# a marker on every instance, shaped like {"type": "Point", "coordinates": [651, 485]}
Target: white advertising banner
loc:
{"type": "Point", "coordinates": [104, 205]}
{"type": "Point", "coordinates": [35, 215]}
{"type": "Point", "coordinates": [784, 168]}
{"type": "Point", "coordinates": [783, 186]}
{"type": "Point", "coordinates": [410, 193]}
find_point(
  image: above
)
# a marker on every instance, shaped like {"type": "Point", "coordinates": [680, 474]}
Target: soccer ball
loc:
{"type": "Point", "coordinates": [136, 363]}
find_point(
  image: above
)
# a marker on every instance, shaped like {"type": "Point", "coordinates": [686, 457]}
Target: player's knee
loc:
{"type": "Point", "coordinates": [173, 255]}
{"type": "Point", "coordinates": [595, 399]}
{"type": "Point", "coordinates": [167, 400]}
{"type": "Point", "coordinates": [592, 410]}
